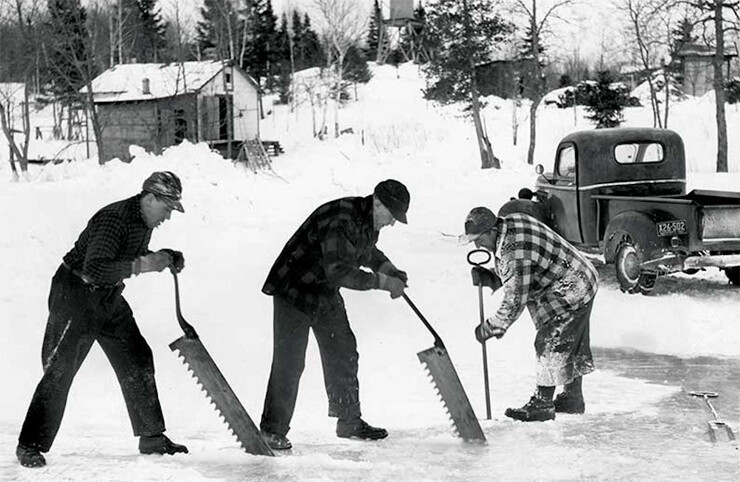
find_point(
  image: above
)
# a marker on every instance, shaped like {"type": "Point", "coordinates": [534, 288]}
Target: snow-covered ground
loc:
{"type": "Point", "coordinates": [640, 423]}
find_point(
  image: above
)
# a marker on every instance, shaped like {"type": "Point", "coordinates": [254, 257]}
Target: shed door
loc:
{"type": "Point", "coordinates": [225, 123]}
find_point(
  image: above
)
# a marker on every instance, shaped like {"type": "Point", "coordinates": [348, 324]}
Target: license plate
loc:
{"type": "Point", "coordinates": [669, 228]}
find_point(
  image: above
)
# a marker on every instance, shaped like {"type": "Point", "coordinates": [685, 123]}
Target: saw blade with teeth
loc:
{"type": "Point", "coordinates": [447, 384]}
{"type": "Point", "coordinates": [219, 393]}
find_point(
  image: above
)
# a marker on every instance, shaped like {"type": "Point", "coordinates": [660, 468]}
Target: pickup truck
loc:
{"type": "Point", "coordinates": [622, 192]}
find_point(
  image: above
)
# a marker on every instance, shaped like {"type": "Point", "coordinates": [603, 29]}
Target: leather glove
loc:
{"type": "Point", "coordinates": [485, 277]}
{"type": "Point", "coordinates": [390, 270]}
{"type": "Point", "coordinates": [178, 261]}
{"type": "Point", "coordinates": [151, 262]}
{"type": "Point", "coordinates": [389, 283]}
{"type": "Point", "coordinates": [486, 330]}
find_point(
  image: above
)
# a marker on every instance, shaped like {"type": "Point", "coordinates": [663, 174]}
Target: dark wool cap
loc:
{"type": "Point", "coordinates": [167, 187]}
{"type": "Point", "coordinates": [480, 220]}
{"type": "Point", "coordinates": [395, 197]}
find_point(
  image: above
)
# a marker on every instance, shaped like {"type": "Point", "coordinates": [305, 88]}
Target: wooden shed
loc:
{"type": "Point", "coordinates": [697, 71]}
{"type": "Point", "coordinates": [159, 105]}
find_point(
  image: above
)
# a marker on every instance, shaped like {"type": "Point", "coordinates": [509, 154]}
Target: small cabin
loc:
{"type": "Point", "coordinates": [160, 105]}
{"type": "Point", "coordinates": [697, 70]}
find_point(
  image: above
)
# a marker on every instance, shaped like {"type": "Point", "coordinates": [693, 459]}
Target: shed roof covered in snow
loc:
{"type": "Point", "coordinates": [702, 50]}
{"type": "Point", "coordinates": [137, 82]}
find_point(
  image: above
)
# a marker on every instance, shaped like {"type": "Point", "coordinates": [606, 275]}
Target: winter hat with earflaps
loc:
{"type": "Point", "coordinates": [167, 187]}
{"type": "Point", "coordinates": [395, 197]}
{"type": "Point", "coordinates": [479, 221]}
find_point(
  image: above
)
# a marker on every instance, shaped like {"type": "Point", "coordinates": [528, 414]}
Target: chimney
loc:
{"type": "Point", "coordinates": [145, 86]}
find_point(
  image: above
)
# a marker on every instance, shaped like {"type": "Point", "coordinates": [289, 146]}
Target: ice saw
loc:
{"type": "Point", "coordinates": [448, 385]}
{"type": "Point", "coordinates": [212, 381]}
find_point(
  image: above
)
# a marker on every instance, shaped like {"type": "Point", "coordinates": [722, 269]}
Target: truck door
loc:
{"type": "Point", "coordinates": [564, 189]}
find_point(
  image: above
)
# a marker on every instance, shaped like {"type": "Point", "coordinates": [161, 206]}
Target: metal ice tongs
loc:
{"type": "Point", "coordinates": [715, 426]}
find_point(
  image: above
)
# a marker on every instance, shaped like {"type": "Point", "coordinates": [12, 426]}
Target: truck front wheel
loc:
{"type": "Point", "coordinates": [629, 275]}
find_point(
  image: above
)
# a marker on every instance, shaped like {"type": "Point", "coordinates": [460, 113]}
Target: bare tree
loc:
{"type": "Point", "coordinates": [24, 15]}
{"type": "Point", "coordinates": [719, 17]}
{"type": "Point", "coordinates": [645, 19]}
{"type": "Point", "coordinates": [344, 26]}
{"type": "Point", "coordinates": [535, 89]}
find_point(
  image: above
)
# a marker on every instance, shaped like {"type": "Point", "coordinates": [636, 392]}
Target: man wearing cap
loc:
{"type": "Point", "coordinates": [539, 270]}
{"type": "Point", "coordinates": [86, 305]}
{"type": "Point", "coordinates": [324, 255]}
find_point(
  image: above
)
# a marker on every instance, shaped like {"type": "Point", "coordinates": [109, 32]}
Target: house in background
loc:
{"type": "Point", "coordinates": [697, 72]}
{"type": "Point", "coordinates": [506, 73]}
{"type": "Point", "coordinates": [159, 105]}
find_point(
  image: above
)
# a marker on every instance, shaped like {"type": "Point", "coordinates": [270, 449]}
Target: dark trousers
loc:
{"type": "Point", "coordinates": [79, 316]}
{"type": "Point", "coordinates": [338, 349]}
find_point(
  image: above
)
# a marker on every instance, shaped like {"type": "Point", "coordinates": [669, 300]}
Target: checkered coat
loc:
{"type": "Point", "coordinates": [540, 271]}
{"type": "Point", "coordinates": [326, 253]}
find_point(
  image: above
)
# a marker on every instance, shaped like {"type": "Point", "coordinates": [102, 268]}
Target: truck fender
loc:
{"type": "Point", "coordinates": [634, 226]}
{"type": "Point", "coordinates": [537, 209]}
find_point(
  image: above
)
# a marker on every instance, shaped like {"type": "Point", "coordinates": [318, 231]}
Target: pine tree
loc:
{"type": "Point", "coordinates": [373, 32]}
{"type": "Point", "coordinates": [284, 60]}
{"type": "Point", "coordinates": [681, 35]}
{"type": "Point", "coordinates": [268, 54]}
{"type": "Point", "coordinates": [355, 66]}
{"type": "Point", "coordinates": [68, 49]}
{"type": "Point", "coordinates": [605, 101]}
{"type": "Point", "coordinates": [525, 48]}
{"type": "Point", "coordinates": [150, 38]}
{"type": "Point", "coordinates": [216, 32]}
{"type": "Point", "coordinates": [461, 33]}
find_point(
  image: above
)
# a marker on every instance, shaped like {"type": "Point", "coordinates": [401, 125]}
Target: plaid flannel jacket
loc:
{"type": "Point", "coordinates": [113, 238]}
{"type": "Point", "coordinates": [539, 270]}
{"type": "Point", "coordinates": [326, 253]}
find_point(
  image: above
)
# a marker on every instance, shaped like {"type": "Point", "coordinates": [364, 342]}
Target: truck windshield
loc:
{"type": "Point", "coordinates": [638, 152]}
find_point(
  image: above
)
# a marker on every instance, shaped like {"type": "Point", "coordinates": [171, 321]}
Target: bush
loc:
{"type": "Point", "coordinates": [733, 90]}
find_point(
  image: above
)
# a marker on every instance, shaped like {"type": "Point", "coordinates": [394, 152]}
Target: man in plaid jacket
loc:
{"type": "Point", "coordinates": [539, 270]}
{"type": "Point", "coordinates": [324, 255]}
{"type": "Point", "coordinates": [86, 305]}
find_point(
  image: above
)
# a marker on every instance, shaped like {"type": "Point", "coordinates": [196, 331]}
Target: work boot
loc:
{"type": "Point", "coordinates": [358, 428]}
{"type": "Point", "coordinates": [569, 403]}
{"type": "Point", "coordinates": [536, 410]}
{"type": "Point", "coordinates": [275, 441]}
{"type": "Point", "coordinates": [29, 456]}
{"type": "Point", "coordinates": [160, 444]}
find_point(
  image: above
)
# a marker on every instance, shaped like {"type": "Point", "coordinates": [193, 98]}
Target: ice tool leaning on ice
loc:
{"type": "Point", "coordinates": [541, 271]}
{"type": "Point", "coordinates": [324, 255]}
{"type": "Point", "coordinates": [86, 305]}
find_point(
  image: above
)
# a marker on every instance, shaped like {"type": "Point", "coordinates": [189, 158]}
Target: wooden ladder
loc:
{"type": "Point", "coordinates": [253, 153]}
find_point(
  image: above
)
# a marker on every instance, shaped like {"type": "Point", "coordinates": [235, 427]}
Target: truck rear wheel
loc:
{"type": "Point", "coordinates": [629, 275]}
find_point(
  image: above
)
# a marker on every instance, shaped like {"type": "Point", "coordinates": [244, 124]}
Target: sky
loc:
{"type": "Point", "coordinates": [650, 351]}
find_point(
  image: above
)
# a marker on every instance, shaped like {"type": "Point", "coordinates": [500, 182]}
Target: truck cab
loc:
{"type": "Point", "coordinates": [623, 191]}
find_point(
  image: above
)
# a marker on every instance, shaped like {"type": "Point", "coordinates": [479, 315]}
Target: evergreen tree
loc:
{"type": "Point", "coordinates": [355, 66]}
{"type": "Point", "coordinates": [314, 54]}
{"type": "Point", "coordinates": [681, 35]}
{"type": "Point", "coordinates": [373, 31]}
{"type": "Point", "coordinates": [150, 39]}
{"type": "Point", "coordinates": [216, 32]}
{"type": "Point", "coordinates": [525, 49]}
{"type": "Point", "coordinates": [267, 40]}
{"type": "Point", "coordinates": [605, 101]}
{"type": "Point", "coordinates": [284, 60]}
{"type": "Point", "coordinates": [67, 47]}
{"type": "Point", "coordinates": [461, 34]}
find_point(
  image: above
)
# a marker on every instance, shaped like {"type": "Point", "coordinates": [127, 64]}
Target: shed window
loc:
{"type": "Point", "coordinates": [639, 152]}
